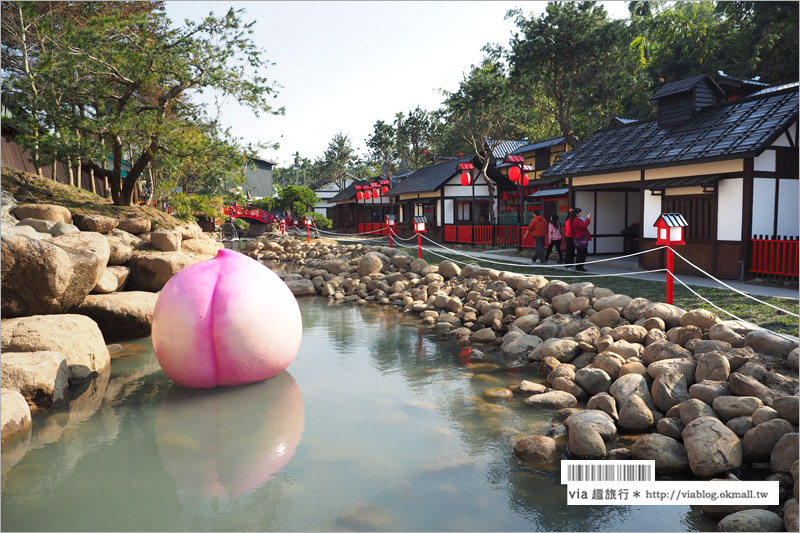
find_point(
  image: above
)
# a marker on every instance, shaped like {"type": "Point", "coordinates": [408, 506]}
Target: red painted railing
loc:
{"type": "Point", "coordinates": [482, 234]}
{"type": "Point", "coordinates": [507, 235]}
{"type": "Point", "coordinates": [361, 227]}
{"type": "Point", "coordinates": [238, 211]}
{"type": "Point", "coordinates": [464, 234]}
{"type": "Point", "coordinates": [777, 257]}
{"type": "Point", "coordinates": [527, 240]}
{"type": "Point", "coordinates": [449, 234]}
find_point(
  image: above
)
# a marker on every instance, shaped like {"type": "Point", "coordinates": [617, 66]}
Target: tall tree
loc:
{"type": "Point", "coordinates": [134, 75]}
{"type": "Point", "coordinates": [572, 60]}
{"type": "Point", "coordinates": [339, 159]}
{"type": "Point", "coordinates": [383, 147]}
{"type": "Point", "coordinates": [415, 132]}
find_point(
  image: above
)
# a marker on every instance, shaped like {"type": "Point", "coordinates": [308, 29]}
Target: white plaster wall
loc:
{"type": "Point", "coordinates": [729, 209]}
{"type": "Point", "coordinates": [584, 200]}
{"type": "Point", "coordinates": [788, 202]}
{"type": "Point", "coordinates": [461, 191]}
{"type": "Point", "coordinates": [765, 161]}
{"type": "Point", "coordinates": [652, 208]}
{"type": "Point", "coordinates": [609, 245]}
{"type": "Point", "coordinates": [448, 211]}
{"type": "Point", "coordinates": [438, 212]}
{"type": "Point", "coordinates": [609, 217]}
{"type": "Point", "coordinates": [763, 206]}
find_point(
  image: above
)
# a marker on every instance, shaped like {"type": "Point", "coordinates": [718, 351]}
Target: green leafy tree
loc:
{"type": "Point", "coordinates": [415, 133]}
{"type": "Point", "coordinates": [134, 76]}
{"type": "Point", "coordinates": [338, 160]}
{"type": "Point", "coordinates": [383, 148]}
{"type": "Point", "coordinates": [573, 62]}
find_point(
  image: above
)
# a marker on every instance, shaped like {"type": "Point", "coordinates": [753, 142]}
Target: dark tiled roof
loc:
{"type": "Point", "coordinates": [346, 193]}
{"type": "Point", "coordinates": [670, 183]}
{"type": "Point", "coordinates": [682, 86]}
{"type": "Point", "coordinates": [623, 120]}
{"type": "Point", "coordinates": [722, 77]}
{"type": "Point", "coordinates": [536, 146]}
{"type": "Point", "coordinates": [777, 88]}
{"type": "Point", "coordinates": [673, 220]}
{"type": "Point", "coordinates": [736, 129]}
{"type": "Point", "coordinates": [429, 178]}
{"type": "Point", "coordinates": [504, 147]}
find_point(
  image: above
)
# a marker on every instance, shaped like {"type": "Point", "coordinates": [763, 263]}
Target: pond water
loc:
{"type": "Point", "coordinates": [377, 425]}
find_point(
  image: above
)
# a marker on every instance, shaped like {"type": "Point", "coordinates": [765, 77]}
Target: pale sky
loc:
{"type": "Point", "coordinates": [344, 65]}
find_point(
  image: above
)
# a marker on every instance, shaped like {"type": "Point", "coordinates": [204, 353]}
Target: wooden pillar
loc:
{"type": "Point", "coordinates": [747, 214]}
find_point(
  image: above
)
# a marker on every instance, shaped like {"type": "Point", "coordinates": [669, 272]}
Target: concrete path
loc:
{"type": "Point", "coordinates": [628, 265]}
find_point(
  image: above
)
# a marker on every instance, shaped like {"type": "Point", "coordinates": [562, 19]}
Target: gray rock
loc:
{"type": "Point", "coordinates": [56, 213]}
{"type": "Point", "coordinates": [593, 380]}
{"type": "Point", "coordinates": [712, 366]}
{"type": "Point", "coordinates": [701, 318]}
{"type": "Point", "coordinates": [561, 302]}
{"type": "Point", "coordinates": [610, 363]}
{"type": "Point", "coordinates": [705, 346]}
{"type": "Point", "coordinates": [564, 350]}
{"type": "Point", "coordinates": [552, 400]}
{"type": "Point", "coordinates": [790, 514]}
{"type": "Point", "coordinates": [41, 377]}
{"type": "Point", "coordinates": [301, 287]}
{"type": "Point", "coordinates": [740, 425]}
{"type": "Point", "coordinates": [527, 323]}
{"type": "Point", "coordinates": [635, 309]}
{"type": "Point", "coordinates": [759, 441]}
{"type": "Point", "coordinates": [166, 240]}
{"type": "Point", "coordinates": [616, 301]}
{"type": "Point", "coordinates": [42, 226]}
{"type": "Point", "coordinates": [537, 449]}
{"type": "Point", "coordinates": [449, 270]}
{"type": "Point", "coordinates": [708, 390]}
{"type": "Point", "coordinates": [767, 342]}
{"type": "Point", "coordinates": [764, 414]}
{"type": "Point", "coordinates": [515, 343]}
{"type": "Point", "coordinates": [606, 318]}
{"type": "Point", "coordinates": [552, 289]}
{"type": "Point", "coordinates": [484, 335]}
{"type": "Point", "coordinates": [370, 263]}
{"type": "Point", "coordinates": [682, 335]}
{"type": "Point", "coordinates": [669, 389]}
{"type": "Point", "coordinates": [134, 225]}
{"type": "Point", "coordinates": [787, 408]}
{"type": "Point", "coordinates": [77, 337]}
{"type": "Point", "coordinates": [122, 315]}
{"type": "Point", "coordinates": [792, 360]}
{"type": "Point", "coordinates": [784, 454]}
{"type": "Point", "coordinates": [62, 228]}
{"type": "Point", "coordinates": [15, 414]}
{"type": "Point", "coordinates": [670, 427]}
{"type": "Point", "coordinates": [712, 448]}
{"type": "Point", "coordinates": [660, 350]}
{"type": "Point", "coordinates": [635, 415]}
{"type": "Point", "coordinates": [669, 455]}
{"type": "Point", "coordinates": [625, 349]}
{"type": "Point", "coordinates": [94, 222]}
{"type": "Point", "coordinates": [742, 385]}
{"type": "Point", "coordinates": [150, 272]}
{"type": "Point", "coordinates": [601, 421]}
{"type": "Point", "coordinates": [754, 369]}
{"type": "Point", "coordinates": [654, 335]}
{"type": "Point", "coordinates": [729, 332]}
{"type": "Point", "coordinates": [630, 385]}
{"type": "Point", "coordinates": [732, 406]}
{"type": "Point", "coordinates": [629, 333]}
{"type": "Point", "coordinates": [670, 314]}
{"type": "Point", "coordinates": [691, 410]}
{"type": "Point", "coordinates": [751, 520]}
{"type": "Point", "coordinates": [530, 387]}
{"type": "Point", "coordinates": [604, 402]}
{"type": "Point", "coordinates": [684, 366]}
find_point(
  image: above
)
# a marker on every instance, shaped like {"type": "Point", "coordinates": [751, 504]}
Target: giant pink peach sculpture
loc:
{"type": "Point", "coordinates": [226, 321]}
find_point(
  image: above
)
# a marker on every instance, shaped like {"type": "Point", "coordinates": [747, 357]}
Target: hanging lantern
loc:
{"type": "Point", "coordinates": [466, 179]}
{"type": "Point", "coordinates": [360, 195]}
{"type": "Point", "coordinates": [367, 195]}
{"type": "Point", "coordinates": [525, 180]}
{"type": "Point", "coordinates": [376, 193]}
{"type": "Point", "coordinates": [514, 173]}
{"type": "Point", "coordinates": [384, 189]}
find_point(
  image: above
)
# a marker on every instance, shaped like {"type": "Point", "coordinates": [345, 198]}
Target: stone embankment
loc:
{"type": "Point", "coordinates": [71, 284]}
{"type": "Point", "coordinates": [701, 396]}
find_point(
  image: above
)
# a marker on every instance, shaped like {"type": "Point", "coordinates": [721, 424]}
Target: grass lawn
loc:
{"type": "Point", "coordinates": [734, 303]}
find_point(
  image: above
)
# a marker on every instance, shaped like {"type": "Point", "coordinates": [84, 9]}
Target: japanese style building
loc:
{"type": "Point", "coordinates": [721, 153]}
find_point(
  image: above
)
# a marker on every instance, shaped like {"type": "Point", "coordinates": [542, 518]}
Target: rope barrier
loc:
{"type": "Point", "coordinates": [734, 289]}
{"type": "Point", "coordinates": [738, 319]}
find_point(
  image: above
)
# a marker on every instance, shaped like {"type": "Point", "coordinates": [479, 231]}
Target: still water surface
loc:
{"type": "Point", "coordinates": [377, 425]}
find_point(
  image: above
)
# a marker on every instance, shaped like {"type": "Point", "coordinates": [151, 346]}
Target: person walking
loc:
{"type": "Point", "coordinates": [581, 236]}
{"type": "Point", "coordinates": [537, 228]}
{"type": "Point", "coordinates": [554, 234]}
{"type": "Point", "coordinates": [569, 241]}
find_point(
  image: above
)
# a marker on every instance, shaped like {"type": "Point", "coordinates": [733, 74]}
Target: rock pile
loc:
{"type": "Point", "coordinates": [707, 397]}
{"type": "Point", "coordinates": [63, 276]}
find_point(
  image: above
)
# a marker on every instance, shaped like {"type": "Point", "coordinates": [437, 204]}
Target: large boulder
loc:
{"type": "Point", "coordinates": [121, 315]}
{"type": "Point", "coordinates": [335, 266]}
{"type": "Point", "coordinates": [712, 366]}
{"type": "Point", "coordinates": [527, 323]}
{"type": "Point", "coordinates": [732, 406]}
{"type": "Point", "coordinates": [728, 331]}
{"type": "Point", "coordinates": [134, 225]}
{"type": "Point", "coordinates": [448, 269]}
{"type": "Point", "coordinates": [593, 380]}
{"type": "Point", "coordinates": [516, 343]}
{"type": "Point", "coordinates": [56, 213]}
{"type": "Point", "coordinates": [601, 421]}
{"type": "Point", "coordinates": [119, 250]}
{"type": "Point", "coordinates": [94, 222]}
{"type": "Point", "coordinates": [751, 520]}
{"type": "Point", "coordinates": [669, 454]}
{"type": "Point", "coordinates": [15, 414]}
{"type": "Point", "coordinates": [788, 408]}
{"type": "Point", "coordinates": [150, 272]}
{"type": "Point", "coordinates": [701, 318]}
{"type": "Point", "coordinates": [744, 385]}
{"type": "Point", "coordinates": [683, 366]}
{"type": "Point", "coordinates": [663, 349]}
{"type": "Point", "coordinates": [635, 309]}
{"type": "Point", "coordinates": [552, 400]}
{"type": "Point", "coordinates": [40, 277]}
{"type": "Point", "coordinates": [301, 287]}
{"type": "Point", "coordinates": [370, 263]}
{"type": "Point", "coordinates": [669, 388]}
{"type": "Point", "coordinates": [635, 415]}
{"type": "Point", "coordinates": [759, 441]}
{"type": "Point", "coordinates": [201, 246]}
{"type": "Point", "coordinates": [784, 454]}
{"type": "Point", "coordinates": [767, 342]}
{"type": "Point", "coordinates": [107, 283]}
{"type": "Point", "coordinates": [616, 301]}
{"type": "Point", "coordinates": [76, 336]}
{"type": "Point", "coordinates": [565, 350]}
{"type": "Point", "coordinates": [166, 240]}
{"type": "Point", "coordinates": [630, 385]}
{"type": "Point", "coordinates": [41, 377]}
{"type": "Point", "coordinates": [670, 314]}
{"type": "Point", "coordinates": [537, 449]}
{"type": "Point", "coordinates": [712, 448]}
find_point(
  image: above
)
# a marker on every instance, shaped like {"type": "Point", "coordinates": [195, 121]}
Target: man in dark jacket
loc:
{"type": "Point", "coordinates": [537, 228]}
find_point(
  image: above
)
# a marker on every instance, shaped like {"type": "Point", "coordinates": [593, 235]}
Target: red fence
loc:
{"type": "Point", "coordinates": [482, 234]}
{"type": "Point", "coordinates": [250, 212]}
{"type": "Point", "coordinates": [507, 235]}
{"type": "Point", "coordinates": [773, 256]}
{"type": "Point", "coordinates": [373, 228]}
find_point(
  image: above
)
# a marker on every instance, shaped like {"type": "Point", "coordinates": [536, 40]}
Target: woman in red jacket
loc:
{"type": "Point", "coordinates": [581, 237]}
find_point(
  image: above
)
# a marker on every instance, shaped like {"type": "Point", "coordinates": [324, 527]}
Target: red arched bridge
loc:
{"type": "Point", "coordinates": [249, 212]}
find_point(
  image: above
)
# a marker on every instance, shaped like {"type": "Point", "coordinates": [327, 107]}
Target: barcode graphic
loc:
{"type": "Point", "coordinates": [576, 471]}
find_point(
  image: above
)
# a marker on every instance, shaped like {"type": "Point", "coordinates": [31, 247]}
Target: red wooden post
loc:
{"type": "Point", "coordinates": [419, 245]}
{"type": "Point", "coordinates": [670, 270]}
{"type": "Point", "coordinates": [308, 234]}
{"type": "Point", "coordinates": [391, 245]}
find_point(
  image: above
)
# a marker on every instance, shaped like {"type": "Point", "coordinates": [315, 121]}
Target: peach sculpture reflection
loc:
{"type": "Point", "coordinates": [230, 440]}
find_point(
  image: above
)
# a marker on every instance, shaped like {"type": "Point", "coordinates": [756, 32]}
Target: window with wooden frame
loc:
{"type": "Point", "coordinates": [700, 211]}
{"type": "Point", "coordinates": [462, 212]}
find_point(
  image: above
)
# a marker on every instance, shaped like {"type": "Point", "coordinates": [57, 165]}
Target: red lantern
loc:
{"type": "Point", "coordinates": [525, 179]}
{"type": "Point", "coordinates": [367, 195]}
{"type": "Point", "coordinates": [384, 189]}
{"type": "Point", "coordinates": [360, 195]}
{"type": "Point", "coordinates": [514, 173]}
{"type": "Point", "coordinates": [466, 179]}
{"type": "Point", "coordinates": [376, 193]}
